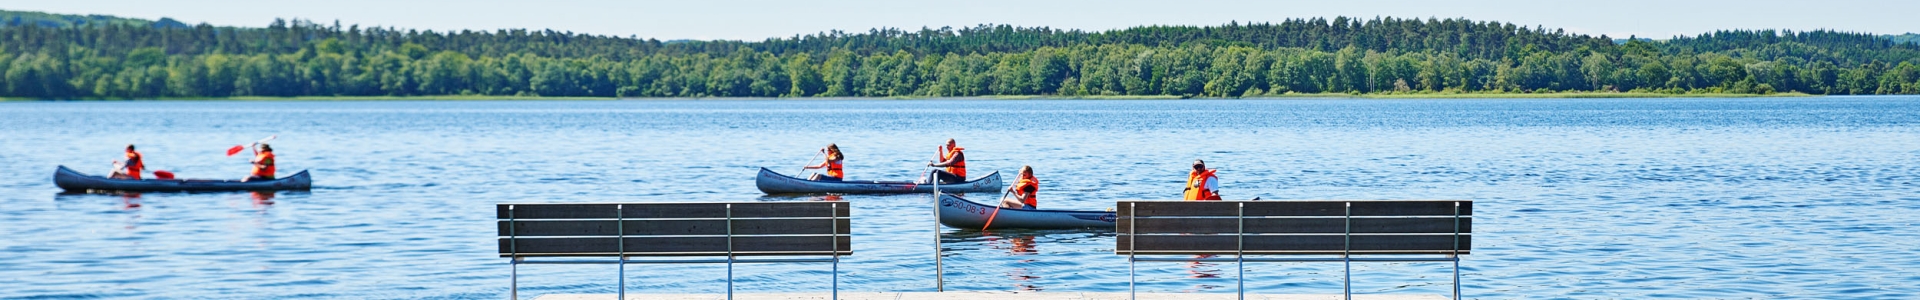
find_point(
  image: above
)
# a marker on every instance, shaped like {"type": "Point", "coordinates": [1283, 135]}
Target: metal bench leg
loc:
{"type": "Point", "coordinates": [1243, 277]}
{"type": "Point", "coordinates": [623, 278]}
{"type": "Point", "coordinates": [1456, 277]}
{"type": "Point", "coordinates": [1131, 294]}
{"type": "Point", "coordinates": [836, 276]}
{"type": "Point", "coordinates": [1347, 286]}
{"type": "Point", "coordinates": [729, 277]}
{"type": "Point", "coordinates": [513, 287]}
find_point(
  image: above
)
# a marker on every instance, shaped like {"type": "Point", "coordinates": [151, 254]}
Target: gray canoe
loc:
{"type": "Point", "coordinates": [71, 180]}
{"type": "Point", "coordinates": [775, 183]}
{"type": "Point", "coordinates": [957, 212]}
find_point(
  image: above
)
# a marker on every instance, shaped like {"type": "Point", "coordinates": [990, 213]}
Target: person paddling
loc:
{"type": "Point", "coordinates": [262, 163]}
{"type": "Point", "coordinates": [1201, 184]}
{"type": "Point", "coordinates": [1024, 191]}
{"type": "Point", "coordinates": [135, 163]}
{"type": "Point", "coordinates": [954, 160]}
{"type": "Point", "coordinates": [832, 164]}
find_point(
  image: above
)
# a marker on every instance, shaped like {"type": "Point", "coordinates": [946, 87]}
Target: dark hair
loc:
{"type": "Point", "coordinates": [833, 152]}
{"type": "Point", "coordinates": [129, 147]}
{"type": "Point", "coordinates": [264, 147]}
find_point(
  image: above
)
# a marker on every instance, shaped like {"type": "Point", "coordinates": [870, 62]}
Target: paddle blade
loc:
{"type": "Point", "coordinates": [235, 150]}
{"type": "Point", "coordinates": [162, 174]}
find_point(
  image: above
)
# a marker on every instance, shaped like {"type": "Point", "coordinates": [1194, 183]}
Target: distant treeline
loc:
{"type": "Point", "coordinates": [1341, 55]}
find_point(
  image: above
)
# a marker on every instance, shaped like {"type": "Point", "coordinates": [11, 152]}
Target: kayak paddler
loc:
{"type": "Point", "coordinates": [832, 164]}
{"type": "Point", "coordinates": [1024, 191]}
{"type": "Point", "coordinates": [1201, 184]}
{"type": "Point", "coordinates": [262, 163]}
{"type": "Point", "coordinates": [954, 160]}
{"type": "Point", "coordinates": [134, 164]}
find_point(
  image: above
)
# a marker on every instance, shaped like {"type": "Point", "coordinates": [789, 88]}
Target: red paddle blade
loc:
{"type": "Point", "coordinates": [235, 150]}
{"type": "Point", "coordinates": [162, 174]}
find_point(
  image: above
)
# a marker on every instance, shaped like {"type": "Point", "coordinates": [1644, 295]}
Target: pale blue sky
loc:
{"type": "Point", "coordinates": [759, 19]}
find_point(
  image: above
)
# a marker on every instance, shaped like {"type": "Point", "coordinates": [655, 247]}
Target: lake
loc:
{"type": "Point", "coordinates": [1584, 198]}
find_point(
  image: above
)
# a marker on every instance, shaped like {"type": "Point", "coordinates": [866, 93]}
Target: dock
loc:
{"type": "Point", "coordinates": [986, 295]}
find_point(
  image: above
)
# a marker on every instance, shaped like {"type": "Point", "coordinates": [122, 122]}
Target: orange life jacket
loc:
{"type": "Point", "coordinates": [1028, 187]}
{"type": "Point", "coordinates": [958, 168]}
{"type": "Point", "coordinates": [263, 167]}
{"type": "Point", "coordinates": [833, 170]}
{"type": "Point", "coordinates": [135, 163]}
{"type": "Point", "coordinates": [1197, 186]}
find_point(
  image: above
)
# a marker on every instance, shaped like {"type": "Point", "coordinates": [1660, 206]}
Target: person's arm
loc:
{"type": "Point", "coordinates": [823, 164]}
{"type": "Point", "coordinates": [957, 157]}
{"type": "Point", "coordinates": [1213, 185]}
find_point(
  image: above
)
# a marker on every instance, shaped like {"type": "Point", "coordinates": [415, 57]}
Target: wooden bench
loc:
{"type": "Point", "coordinates": [1335, 231]}
{"type": "Point", "coordinates": [563, 233]}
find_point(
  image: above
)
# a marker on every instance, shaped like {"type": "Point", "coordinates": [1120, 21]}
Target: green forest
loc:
{"type": "Point", "coordinates": [113, 58]}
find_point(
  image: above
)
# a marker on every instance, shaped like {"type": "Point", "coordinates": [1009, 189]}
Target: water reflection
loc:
{"type": "Point", "coordinates": [1019, 245]}
{"type": "Point", "coordinates": [1198, 269]}
{"type": "Point", "coordinates": [1021, 251]}
{"type": "Point", "coordinates": [262, 199]}
{"type": "Point", "coordinates": [129, 201]}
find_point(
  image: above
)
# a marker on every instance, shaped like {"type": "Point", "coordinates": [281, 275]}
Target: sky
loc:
{"type": "Point", "coordinates": [761, 19]}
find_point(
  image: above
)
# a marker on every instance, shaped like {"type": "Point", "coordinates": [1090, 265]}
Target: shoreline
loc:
{"type": "Point", "coordinates": [1383, 96]}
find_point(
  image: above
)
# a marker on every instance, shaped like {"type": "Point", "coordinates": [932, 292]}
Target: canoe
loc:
{"type": "Point", "coordinates": [71, 180]}
{"type": "Point", "coordinates": [775, 183]}
{"type": "Point", "coordinates": [960, 213]}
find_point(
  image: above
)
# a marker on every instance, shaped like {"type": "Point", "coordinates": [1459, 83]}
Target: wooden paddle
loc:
{"type": "Point", "coordinates": [237, 148]}
{"type": "Point", "coordinates": [996, 209]}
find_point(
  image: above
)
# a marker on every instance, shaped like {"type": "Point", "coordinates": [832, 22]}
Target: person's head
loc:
{"type": "Point", "coordinates": [1199, 166]}
{"type": "Point", "coordinates": [833, 151]}
{"type": "Point", "coordinates": [1026, 171]}
{"type": "Point", "coordinates": [265, 148]}
{"type": "Point", "coordinates": [950, 143]}
{"type": "Point", "coordinates": [129, 147]}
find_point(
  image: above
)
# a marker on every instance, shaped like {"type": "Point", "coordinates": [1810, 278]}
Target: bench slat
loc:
{"type": "Point", "coordinates": [529, 211]}
{"type": "Point", "coordinates": [676, 246]}
{"type": "Point", "coordinates": [673, 227]}
{"type": "Point", "coordinates": [1294, 244]}
{"type": "Point", "coordinates": [1293, 225]}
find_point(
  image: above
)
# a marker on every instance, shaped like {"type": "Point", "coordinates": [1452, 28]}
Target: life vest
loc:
{"type": "Point", "coordinates": [263, 167]}
{"type": "Point", "coordinates": [1028, 187]}
{"type": "Point", "coordinates": [1197, 186]}
{"type": "Point", "coordinates": [958, 168]}
{"type": "Point", "coordinates": [833, 170]}
{"type": "Point", "coordinates": [135, 163]}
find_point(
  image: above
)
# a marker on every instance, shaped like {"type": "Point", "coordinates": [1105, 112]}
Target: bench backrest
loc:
{"type": "Point", "coordinates": [674, 229]}
{"type": "Point", "coordinates": [1294, 227]}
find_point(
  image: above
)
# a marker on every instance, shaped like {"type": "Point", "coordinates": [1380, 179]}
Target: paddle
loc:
{"type": "Point", "coordinates": [237, 148]}
{"type": "Point", "coordinates": [119, 166]}
{"type": "Point", "coordinates": [803, 168]}
{"type": "Point", "coordinates": [996, 210]}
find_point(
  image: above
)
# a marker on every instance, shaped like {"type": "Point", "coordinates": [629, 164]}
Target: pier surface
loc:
{"type": "Point", "coordinates": [985, 295]}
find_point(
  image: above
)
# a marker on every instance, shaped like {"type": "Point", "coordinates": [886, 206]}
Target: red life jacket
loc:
{"type": "Point", "coordinates": [1028, 187]}
{"type": "Point", "coordinates": [1197, 186]}
{"type": "Point", "coordinates": [958, 168]}
{"type": "Point", "coordinates": [834, 170]}
{"type": "Point", "coordinates": [135, 163]}
{"type": "Point", "coordinates": [263, 166]}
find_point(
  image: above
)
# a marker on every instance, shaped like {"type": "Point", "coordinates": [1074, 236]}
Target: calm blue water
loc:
{"type": "Point", "coordinates": [1634, 198]}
